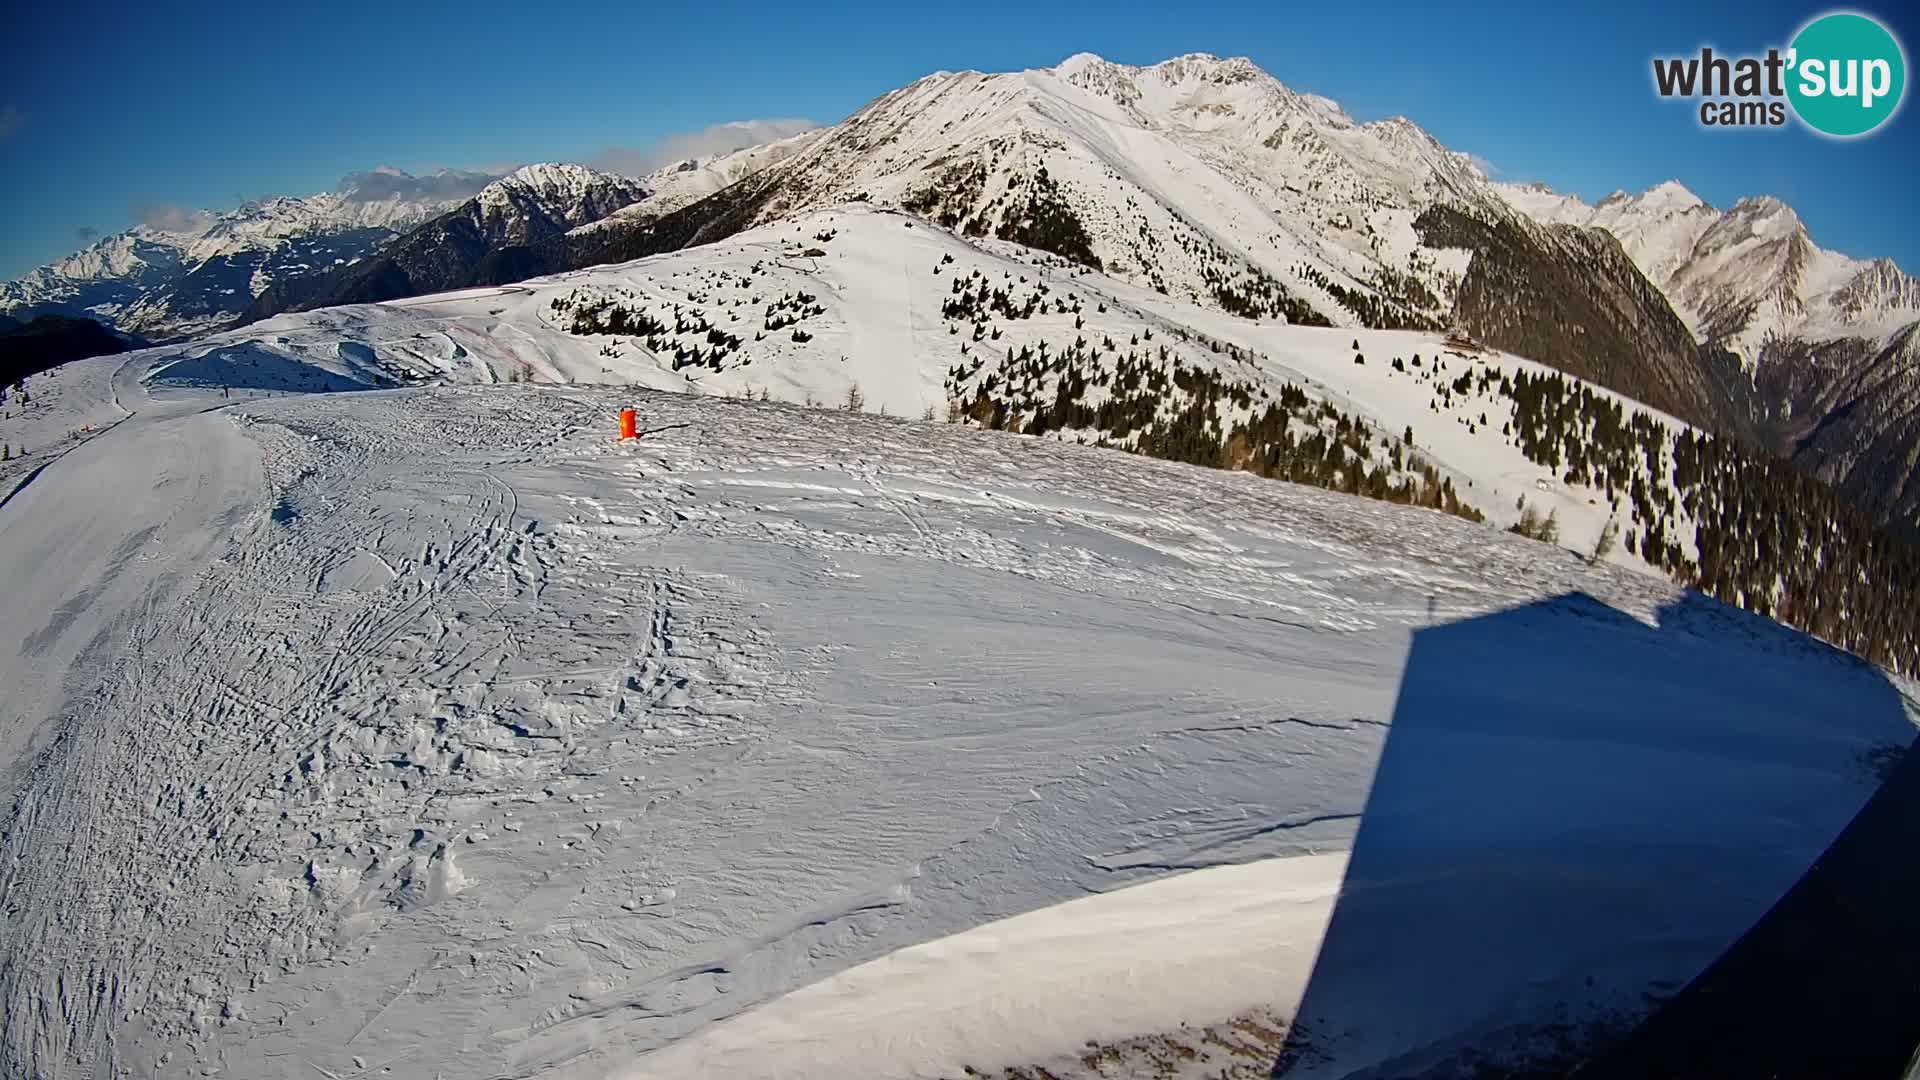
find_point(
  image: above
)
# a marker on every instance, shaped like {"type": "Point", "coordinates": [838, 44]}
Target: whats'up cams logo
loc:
{"type": "Point", "coordinates": [1843, 75]}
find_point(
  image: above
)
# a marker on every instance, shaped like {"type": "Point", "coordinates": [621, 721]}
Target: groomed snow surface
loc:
{"type": "Point", "coordinates": [431, 732]}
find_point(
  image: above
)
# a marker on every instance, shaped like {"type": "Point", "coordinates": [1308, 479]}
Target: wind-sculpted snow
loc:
{"type": "Point", "coordinates": [432, 732]}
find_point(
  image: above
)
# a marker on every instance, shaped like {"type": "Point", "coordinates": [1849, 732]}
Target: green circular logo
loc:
{"type": "Point", "coordinates": [1847, 74]}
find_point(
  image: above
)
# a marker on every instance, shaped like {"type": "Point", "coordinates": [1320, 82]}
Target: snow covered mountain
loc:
{"type": "Point", "coordinates": [1199, 176]}
{"type": "Point", "coordinates": [202, 271]}
{"type": "Point", "coordinates": [674, 186]}
{"type": "Point", "coordinates": [1832, 343]}
{"type": "Point", "coordinates": [473, 242]}
{"type": "Point", "coordinates": [541, 200]}
{"type": "Point", "coordinates": [1207, 181]}
{"type": "Point", "coordinates": [1744, 278]}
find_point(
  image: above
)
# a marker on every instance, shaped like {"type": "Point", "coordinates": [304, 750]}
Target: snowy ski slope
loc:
{"type": "Point", "coordinates": [431, 732]}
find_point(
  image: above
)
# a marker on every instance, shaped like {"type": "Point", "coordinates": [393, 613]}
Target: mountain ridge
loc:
{"type": "Point", "coordinates": [200, 272]}
{"type": "Point", "coordinates": [471, 243]}
{"type": "Point", "coordinates": [1202, 178]}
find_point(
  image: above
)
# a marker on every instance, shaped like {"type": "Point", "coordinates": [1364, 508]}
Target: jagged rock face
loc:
{"type": "Point", "coordinates": [540, 201]}
{"type": "Point", "coordinates": [1744, 276]}
{"type": "Point", "coordinates": [1849, 413]}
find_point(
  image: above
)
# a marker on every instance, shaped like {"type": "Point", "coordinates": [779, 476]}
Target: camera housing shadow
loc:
{"type": "Point", "coordinates": [1831, 974]}
{"type": "Point", "coordinates": [1575, 814]}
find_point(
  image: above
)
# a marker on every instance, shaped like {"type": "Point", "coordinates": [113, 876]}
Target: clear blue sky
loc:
{"type": "Point", "coordinates": [107, 110]}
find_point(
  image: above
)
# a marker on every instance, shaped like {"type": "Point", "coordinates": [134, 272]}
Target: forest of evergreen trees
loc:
{"type": "Point", "coordinates": [1256, 294]}
{"type": "Point", "coordinates": [1768, 538]}
{"type": "Point", "coordinates": [1037, 391]}
{"type": "Point", "coordinates": [1381, 312]}
{"type": "Point", "coordinates": [1045, 221]}
{"type": "Point", "coordinates": [683, 332]}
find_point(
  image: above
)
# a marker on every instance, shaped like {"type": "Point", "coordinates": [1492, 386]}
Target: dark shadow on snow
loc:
{"type": "Point", "coordinates": [1575, 814]}
{"type": "Point", "coordinates": [250, 369]}
{"type": "Point", "coordinates": [1831, 975]}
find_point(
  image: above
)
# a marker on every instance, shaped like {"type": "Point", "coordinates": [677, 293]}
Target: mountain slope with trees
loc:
{"type": "Point", "coordinates": [1828, 341]}
{"type": "Point", "coordinates": [871, 309]}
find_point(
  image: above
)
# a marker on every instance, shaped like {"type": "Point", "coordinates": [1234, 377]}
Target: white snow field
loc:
{"type": "Point", "coordinates": [430, 732]}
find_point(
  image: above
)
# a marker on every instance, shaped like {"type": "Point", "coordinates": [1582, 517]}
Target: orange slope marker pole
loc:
{"type": "Point", "coordinates": [629, 425]}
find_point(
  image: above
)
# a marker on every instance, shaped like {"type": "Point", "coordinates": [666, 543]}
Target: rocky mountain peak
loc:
{"type": "Point", "coordinates": [1671, 196]}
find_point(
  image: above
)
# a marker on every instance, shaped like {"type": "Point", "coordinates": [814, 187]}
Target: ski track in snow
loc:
{"type": "Point", "coordinates": [431, 732]}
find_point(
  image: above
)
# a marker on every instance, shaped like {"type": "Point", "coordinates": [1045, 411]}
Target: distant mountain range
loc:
{"type": "Point", "coordinates": [540, 219]}
{"type": "Point", "coordinates": [463, 245]}
{"type": "Point", "coordinates": [1204, 179]}
{"type": "Point", "coordinates": [383, 234]}
{"type": "Point", "coordinates": [201, 273]}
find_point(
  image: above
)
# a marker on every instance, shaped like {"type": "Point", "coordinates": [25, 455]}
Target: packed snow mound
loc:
{"type": "Point", "coordinates": [448, 735]}
{"type": "Point", "coordinates": [1022, 989]}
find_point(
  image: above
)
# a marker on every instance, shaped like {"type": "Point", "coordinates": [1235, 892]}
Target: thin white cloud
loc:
{"type": "Point", "coordinates": [171, 218]}
{"type": "Point", "coordinates": [718, 139]}
{"type": "Point", "coordinates": [1487, 168]}
{"type": "Point", "coordinates": [11, 121]}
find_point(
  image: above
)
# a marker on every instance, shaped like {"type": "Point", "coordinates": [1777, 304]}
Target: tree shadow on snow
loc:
{"type": "Point", "coordinates": [1575, 814]}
